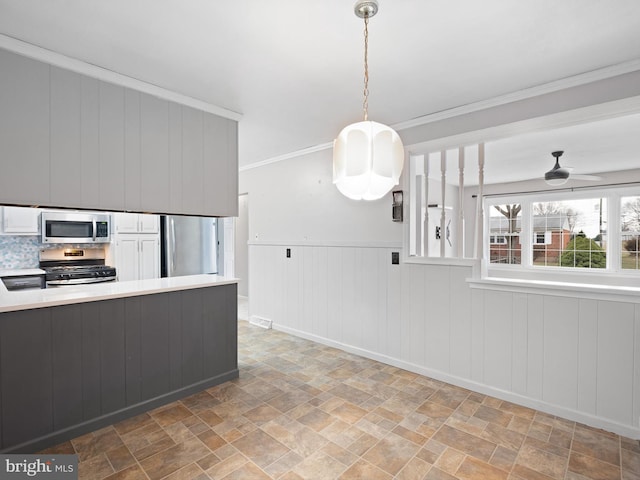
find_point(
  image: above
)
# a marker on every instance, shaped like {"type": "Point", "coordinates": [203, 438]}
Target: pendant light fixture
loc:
{"type": "Point", "coordinates": [367, 156]}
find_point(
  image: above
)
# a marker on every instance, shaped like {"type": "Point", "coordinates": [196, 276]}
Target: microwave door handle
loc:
{"type": "Point", "coordinates": [94, 229]}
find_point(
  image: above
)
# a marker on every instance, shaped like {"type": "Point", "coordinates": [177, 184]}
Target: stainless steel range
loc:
{"type": "Point", "coordinates": [74, 266]}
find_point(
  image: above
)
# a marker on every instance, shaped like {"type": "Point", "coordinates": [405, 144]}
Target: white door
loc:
{"type": "Point", "coordinates": [149, 223]}
{"type": "Point", "coordinates": [125, 222]}
{"type": "Point", "coordinates": [20, 220]}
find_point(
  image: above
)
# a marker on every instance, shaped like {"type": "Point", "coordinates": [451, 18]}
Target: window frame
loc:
{"type": "Point", "coordinates": [612, 275]}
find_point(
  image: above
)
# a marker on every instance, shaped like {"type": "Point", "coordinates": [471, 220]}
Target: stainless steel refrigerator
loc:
{"type": "Point", "coordinates": [189, 245]}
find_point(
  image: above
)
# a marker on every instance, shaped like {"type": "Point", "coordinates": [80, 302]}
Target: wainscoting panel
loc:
{"type": "Point", "coordinates": [568, 356]}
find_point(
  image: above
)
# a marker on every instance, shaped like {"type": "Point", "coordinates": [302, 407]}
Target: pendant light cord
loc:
{"type": "Point", "coordinates": [365, 103]}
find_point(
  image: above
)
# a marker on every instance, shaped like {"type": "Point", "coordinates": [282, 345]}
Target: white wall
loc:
{"type": "Point", "coordinates": [556, 351]}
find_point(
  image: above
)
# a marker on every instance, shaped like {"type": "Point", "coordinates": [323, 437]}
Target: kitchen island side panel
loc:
{"type": "Point", "coordinates": [68, 370]}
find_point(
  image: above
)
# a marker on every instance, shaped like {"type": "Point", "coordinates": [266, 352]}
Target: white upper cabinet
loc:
{"type": "Point", "coordinates": [73, 141]}
{"type": "Point", "coordinates": [136, 223]}
{"type": "Point", "coordinates": [20, 221]}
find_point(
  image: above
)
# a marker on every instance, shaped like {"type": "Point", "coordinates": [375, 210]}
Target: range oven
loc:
{"type": "Point", "coordinates": [75, 266]}
{"type": "Point", "coordinates": [71, 227]}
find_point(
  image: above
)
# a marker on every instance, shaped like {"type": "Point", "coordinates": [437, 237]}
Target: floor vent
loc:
{"type": "Point", "coordinates": [260, 322]}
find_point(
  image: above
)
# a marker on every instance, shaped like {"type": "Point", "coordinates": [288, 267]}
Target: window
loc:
{"type": "Point", "coordinates": [582, 236]}
{"type": "Point", "coordinates": [498, 239]}
{"type": "Point", "coordinates": [630, 233]}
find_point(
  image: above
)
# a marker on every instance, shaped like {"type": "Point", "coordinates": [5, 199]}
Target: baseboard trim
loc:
{"type": "Point", "coordinates": [569, 414]}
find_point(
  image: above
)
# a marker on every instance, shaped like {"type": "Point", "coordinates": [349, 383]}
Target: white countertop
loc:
{"type": "Point", "coordinates": [18, 272]}
{"type": "Point", "coordinates": [64, 295]}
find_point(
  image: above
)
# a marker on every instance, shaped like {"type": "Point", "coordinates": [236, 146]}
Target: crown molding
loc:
{"type": "Point", "coordinates": [58, 60]}
{"type": "Point", "coordinates": [555, 86]}
{"type": "Point", "coordinates": [287, 156]}
{"type": "Point", "coordinates": [551, 87]}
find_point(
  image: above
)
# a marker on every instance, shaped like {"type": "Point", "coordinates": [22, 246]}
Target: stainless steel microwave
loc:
{"type": "Point", "coordinates": [68, 227]}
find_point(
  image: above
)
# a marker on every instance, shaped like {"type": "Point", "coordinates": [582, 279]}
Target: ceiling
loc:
{"type": "Point", "coordinates": [294, 69]}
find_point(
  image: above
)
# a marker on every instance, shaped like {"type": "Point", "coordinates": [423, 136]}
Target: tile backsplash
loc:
{"type": "Point", "coordinates": [19, 251]}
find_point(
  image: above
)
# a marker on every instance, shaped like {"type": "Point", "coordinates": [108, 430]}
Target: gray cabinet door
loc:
{"type": "Point", "coordinates": [154, 353]}
{"type": "Point", "coordinates": [66, 338]}
{"type": "Point", "coordinates": [24, 130]}
{"type": "Point", "coordinates": [66, 165]}
{"type": "Point", "coordinates": [215, 164]}
{"type": "Point", "coordinates": [132, 165]}
{"type": "Point", "coordinates": [154, 139]}
{"type": "Point", "coordinates": [26, 380]}
{"type": "Point", "coordinates": [192, 162]}
{"type": "Point", "coordinates": [175, 158]}
{"type": "Point", "coordinates": [89, 143]}
{"type": "Point", "coordinates": [111, 146]}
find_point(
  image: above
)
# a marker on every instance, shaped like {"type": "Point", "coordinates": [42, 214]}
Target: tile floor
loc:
{"type": "Point", "coordinates": [305, 411]}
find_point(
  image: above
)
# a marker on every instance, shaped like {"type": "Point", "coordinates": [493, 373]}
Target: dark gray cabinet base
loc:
{"type": "Point", "coordinates": [68, 370]}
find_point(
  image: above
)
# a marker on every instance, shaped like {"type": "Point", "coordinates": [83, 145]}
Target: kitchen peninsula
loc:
{"type": "Point", "coordinates": [75, 359]}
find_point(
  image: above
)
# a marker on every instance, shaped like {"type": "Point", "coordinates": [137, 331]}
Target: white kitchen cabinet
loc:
{"type": "Point", "coordinates": [136, 223]}
{"type": "Point", "coordinates": [137, 256]}
{"type": "Point", "coordinates": [20, 221]}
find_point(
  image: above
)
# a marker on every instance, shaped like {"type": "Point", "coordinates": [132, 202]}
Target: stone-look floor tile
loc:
{"type": "Point", "coordinates": [449, 397]}
{"type": "Point", "coordinates": [414, 437]}
{"type": "Point", "coordinates": [170, 414]}
{"type": "Point", "coordinates": [226, 466]}
{"type": "Point", "coordinates": [630, 461]}
{"type": "Point", "coordinates": [174, 458]}
{"type": "Point", "coordinates": [190, 472]}
{"type": "Point", "coordinates": [348, 412]}
{"type": "Point", "coordinates": [248, 471]}
{"type": "Point", "coordinates": [133, 472]}
{"type": "Point", "coordinates": [260, 448]}
{"type": "Point", "coordinates": [595, 444]}
{"type": "Point", "coordinates": [391, 453]}
{"type": "Point", "coordinates": [350, 394]}
{"type": "Point", "coordinates": [96, 443]}
{"type": "Point", "coordinates": [503, 436]}
{"type": "Point", "coordinates": [362, 444]}
{"type": "Point", "coordinates": [362, 470]}
{"type": "Point", "coordinates": [473, 469]}
{"type": "Point", "coordinates": [319, 466]}
{"type": "Point", "coordinates": [343, 455]}
{"type": "Point", "coordinates": [95, 468]}
{"type": "Point", "coordinates": [450, 460]}
{"type": "Point", "coordinates": [283, 465]}
{"type": "Point", "coordinates": [415, 469]}
{"type": "Point", "coordinates": [466, 443]}
{"type": "Point", "coordinates": [65, 448]}
{"type": "Point", "coordinates": [120, 458]}
{"type": "Point", "coordinates": [436, 474]}
{"type": "Point", "coordinates": [593, 468]}
{"type": "Point", "coordinates": [631, 445]}
{"type": "Point", "coordinates": [542, 461]}
{"type": "Point", "coordinates": [212, 440]}
{"type": "Point", "coordinates": [326, 424]}
{"type": "Point", "coordinates": [504, 458]}
{"type": "Point", "coordinates": [517, 410]}
{"type": "Point", "coordinates": [133, 423]}
{"type": "Point", "coordinates": [316, 419]}
{"type": "Point", "coordinates": [493, 415]}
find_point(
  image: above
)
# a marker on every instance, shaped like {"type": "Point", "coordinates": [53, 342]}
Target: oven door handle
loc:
{"type": "Point", "coordinates": [94, 229]}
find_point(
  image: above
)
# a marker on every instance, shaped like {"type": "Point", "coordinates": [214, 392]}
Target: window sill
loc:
{"type": "Point", "coordinates": [558, 289]}
{"type": "Point", "coordinates": [459, 262]}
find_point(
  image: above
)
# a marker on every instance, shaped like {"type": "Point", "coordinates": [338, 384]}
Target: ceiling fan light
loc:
{"type": "Point", "coordinates": [556, 176]}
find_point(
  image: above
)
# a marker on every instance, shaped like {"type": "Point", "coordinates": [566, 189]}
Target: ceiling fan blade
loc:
{"type": "Point", "coordinates": [585, 177]}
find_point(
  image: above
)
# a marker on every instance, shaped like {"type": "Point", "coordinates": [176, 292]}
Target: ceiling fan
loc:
{"type": "Point", "coordinates": [559, 175]}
